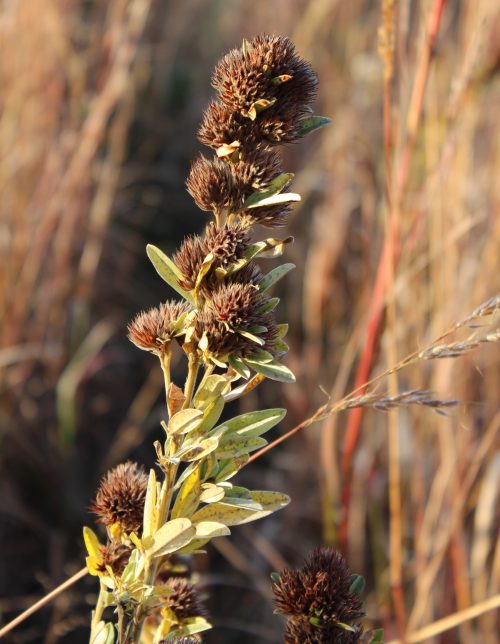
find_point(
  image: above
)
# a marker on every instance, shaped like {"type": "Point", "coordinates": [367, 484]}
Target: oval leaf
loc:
{"type": "Point", "coordinates": [237, 446]}
{"type": "Point", "coordinates": [168, 271]}
{"type": "Point", "coordinates": [284, 197]}
{"type": "Point", "coordinates": [184, 421]}
{"type": "Point", "coordinates": [274, 276]}
{"type": "Point", "coordinates": [253, 423]}
{"type": "Point", "coordinates": [188, 497]}
{"type": "Point", "coordinates": [312, 123]}
{"type": "Point", "coordinates": [172, 536]}
{"type": "Point", "coordinates": [272, 370]}
{"type": "Point", "coordinates": [211, 529]}
{"type": "Point", "coordinates": [231, 515]}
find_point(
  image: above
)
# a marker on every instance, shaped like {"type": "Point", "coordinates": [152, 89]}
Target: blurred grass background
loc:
{"type": "Point", "coordinates": [99, 107]}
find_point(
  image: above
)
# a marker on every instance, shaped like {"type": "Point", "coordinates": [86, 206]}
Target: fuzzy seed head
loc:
{"type": "Point", "coordinates": [120, 497]}
{"type": "Point", "coordinates": [321, 590]}
{"type": "Point", "coordinates": [235, 306]}
{"type": "Point", "coordinates": [266, 68]}
{"type": "Point", "coordinates": [153, 330]}
{"type": "Point", "coordinates": [182, 598]}
{"type": "Point", "coordinates": [299, 630]}
{"type": "Point", "coordinates": [116, 555]}
{"type": "Point", "coordinates": [212, 186]}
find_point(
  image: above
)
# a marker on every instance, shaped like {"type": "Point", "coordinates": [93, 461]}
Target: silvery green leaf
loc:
{"type": "Point", "coordinates": [236, 363]}
{"type": "Point", "coordinates": [172, 536]}
{"type": "Point", "coordinates": [274, 276]}
{"type": "Point", "coordinates": [272, 370]}
{"type": "Point", "coordinates": [275, 187]}
{"type": "Point", "coordinates": [184, 421]}
{"type": "Point", "coordinates": [270, 305]}
{"type": "Point", "coordinates": [312, 123]}
{"type": "Point", "coordinates": [168, 271]}
{"type": "Point", "coordinates": [253, 423]}
{"type": "Point", "coordinates": [283, 197]}
{"type": "Point", "coordinates": [237, 446]}
{"type": "Point", "coordinates": [228, 468]}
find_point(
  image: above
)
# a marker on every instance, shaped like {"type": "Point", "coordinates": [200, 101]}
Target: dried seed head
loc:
{"type": "Point", "coordinates": [267, 68]}
{"type": "Point", "coordinates": [116, 555]}
{"type": "Point", "coordinates": [222, 127]}
{"type": "Point", "coordinates": [299, 630]}
{"type": "Point", "coordinates": [120, 497]}
{"type": "Point", "coordinates": [182, 598]}
{"type": "Point", "coordinates": [212, 185]}
{"type": "Point", "coordinates": [189, 259]}
{"type": "Point", "coordinates": [154, 329]}
{"type": "Point", "coordinates": [227, 243]}
{"type": "Point", "coordinates": [234, 307]}
{"type": "Point", "coordinates": [255, 169]}
{"type": "Point", "coordinates": [319, 590]}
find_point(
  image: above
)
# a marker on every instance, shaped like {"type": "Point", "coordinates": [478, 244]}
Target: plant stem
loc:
{"type": "Point", "coordinates": [165, 360]}
{"type": "Point", "coordinates": [194, 367]}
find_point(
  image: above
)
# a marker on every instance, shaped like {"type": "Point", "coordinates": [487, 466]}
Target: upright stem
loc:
{"type": "Point", "coordinates": [194, 367]}
{"type": "Point", "coordinates": [165, 360]}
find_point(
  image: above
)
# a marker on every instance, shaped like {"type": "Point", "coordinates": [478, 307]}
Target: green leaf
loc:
{"type": "Point", "coordinates": [253, 423]}
{"type": "Point", "coordinates": [274, 276]}
{"type": "Point", "coordinates": [251, 337]}
{"type": "Point", "coordinates": [231, 515]}
{"type": "Point", "coordinates": [172, 536]}
{"type": "Point", "coordinates": [357, 584]}
{"type": "Point", "coordinates": [212, 414]}
{"type": "Point", "coordinates": [237, 446]}
{"type": "Point", "coordinates": [211, 493]}
{"type": "Point", "coordinates": [149, 516]}
{"type": "Point", "coordinates": [236, 363]}
{"type": "Point", "coordinates": [134, 567]}
{"type": "Point", "coordinates": [188, 498]}
{"type": "Point", "coordinates": [275, 187]}
{"type": "Point", "coordinates": [210, 388]}
{"type": "Point", "coordinates": [228, 468]}
{"type": "Point", "coordinates": [198, 450]}
{"type": "Point", "coordinates": [272, 370]}
{"type": "Point", "coordinates": [168, 271]}
{"type": "Point", "coordinates": [191, 626]}
{"type": "Point", "coordinates": [281, 331]}
{"type": "Point", "coordinates": [312, 123]}
{"type": "Point", "coordinates": [284, 197]}
{"type": "Point", "coordinates": [275, 577]}
{"type": "Point", "coordinates": [241, 502]}
{"type": "Point", "coordinates": [378, 636]}
{"type": "Point", "coordinates": [211, 529]}
{"type": "Point", "coordinates": [270, 305]}
{"type": "Point", "coordinates": [264, 357]}
{"type": "Point", "coordinates": [184, 421]}
{"type": "Point", "coordinates": [103, 633]}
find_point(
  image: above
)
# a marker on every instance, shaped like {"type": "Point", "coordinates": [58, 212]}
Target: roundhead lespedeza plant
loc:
{"type": "Point", "coordinates": [227, 329]}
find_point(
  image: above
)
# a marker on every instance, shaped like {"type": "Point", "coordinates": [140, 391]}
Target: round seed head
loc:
{"type": "Point", "coordinates": [320, 588]}
{"type": "Point", "coordinates": [227, 243]}
{"type": "Point", "coordinates": [267, 68]}
{"type": "Point", "coordinates": [222, 127]}
{"type": "Point", "coordinates": [182, 598]}
{"type": "Point", "coordinates": [300, 629]}
{"type": "Point", "coordinates": [153, 330]}
{"type": "Point", "coordinates": [189, 259]}
{"type": "Point", "coordinates": [120, 497]}
{"type": "Point", "coordinates": [234, 307]}
{"type": "Point", "coordinates": [212, 186]}
{"type": "Point", "coordinates": [116, 555]}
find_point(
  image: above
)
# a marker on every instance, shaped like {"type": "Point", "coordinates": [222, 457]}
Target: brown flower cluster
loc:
{"type": "Point", "coordinates": [120, 497]}
{"type": "Point", "coordinates": [264, 90]}
{"type": "Point", "coordinates": [319, 601]}
{"type": "Point", "coordinates": [154, 330]}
